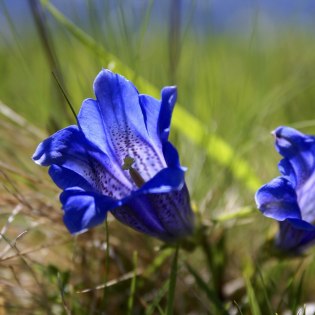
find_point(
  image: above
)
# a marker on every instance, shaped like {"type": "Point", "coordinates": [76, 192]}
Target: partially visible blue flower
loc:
{"type": "Point", "coordinates": [290, 198]}
{"type": "Point", "coordinates": [119, 159]}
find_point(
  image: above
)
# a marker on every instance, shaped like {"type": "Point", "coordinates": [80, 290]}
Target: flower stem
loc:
{"type": "Point", "coordinates": [133, 283]}
{"type": "Point", "coordinates": [106, 264]}
{"type": "Point", "coordinates": [215, 268]}
{"type": "Point", "coordinates": [172, 284]}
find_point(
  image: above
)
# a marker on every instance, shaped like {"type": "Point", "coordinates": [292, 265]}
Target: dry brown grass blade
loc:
{"type": "Point", "coordinates": [26, 176]}
{"type": "Point", "coordinates": [36, 249]}
{"type": "Point", "coordinates": [14, 212]}
{"type": "Point", "coordinates": [127, 276]}
{"type": "Point", "coordinates": [13, 116]}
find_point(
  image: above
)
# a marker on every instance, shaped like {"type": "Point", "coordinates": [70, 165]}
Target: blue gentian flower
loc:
{"type": "Point", "coordinates": [290, 198]}
{"type": "Point", "coordinates": [118, 159]}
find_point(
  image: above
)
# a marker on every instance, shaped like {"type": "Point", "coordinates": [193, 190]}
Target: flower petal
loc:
{"type": "Point", "coordinates": [169, 96]}
{"type": "Point", "coordinates": [119, 102]}
{"type": "Point", "coordinates": [137, 214]}
{"type": "Point", "coordinates": [69, 149]}
{"type": "Point", "coordinates": [278, 200]}
{"type": "Point", "coordinates": [299, 165]}
{"type": "Point", "coordinates": [151, 107]}
{"type": "Point", "coordinates": [171, 155]}
{"type": "Point", "coordinates": [298, 150]}
{"type": "Point", "coordinates": [115, 123]}
{"type": "Point", "coordinates": [158, 114]}
{"type": "Point", "coordinates": [174, 212]}
{"type": "Point", "coordinates": [163, 216]}
{"type": "Point", "coordinates": [65, 178]}
{"type": "Point", "coordinates": [295, 235]}
{"type": "Point", "coordinates": [160, 208]}
{"type": "Point", "coordinates": [167, 180]}
{"type": "Point", "coordinates": [287, 171]}
{"type": "Point", "coordinates": [51, 150]}
{"type": "Point", "coordinates": [84, 210]}
{"type": "Point", "coordinates": [158, 118]}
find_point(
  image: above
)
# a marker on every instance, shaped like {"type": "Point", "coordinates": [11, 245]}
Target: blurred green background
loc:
{"type": "Point", "coordinates": [241, 70]}
{"type": "Point", "coordinates": [240, 74]}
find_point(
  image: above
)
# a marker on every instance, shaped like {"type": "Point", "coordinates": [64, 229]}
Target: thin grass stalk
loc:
{"type": "Point", "coordinates": [211, 294]}
{"type": "Point", "coordinates": [48, 46]}
{"type": "Point", "coordinates": [105, 290]}
{"type": "Point", "coordinates": [215, 272]}
{"type": "Point", "coordinates": [158, 297]}
{"type": "Point", "coordinates": [174, 38]}
{"type": "Point", "coordinates": [133, 284]}
{"type": "Point", "coordinates": [172, 284]}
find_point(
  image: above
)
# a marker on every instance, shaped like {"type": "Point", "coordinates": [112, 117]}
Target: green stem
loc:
{"type": "Point", "coordinates": [106, 265]}
{"type": "Point", "coordinates": [214, 270]}
{"type": "Point", "coordinates": [133, 284]}
{"type": "Point", "coordinates": [172, 284]}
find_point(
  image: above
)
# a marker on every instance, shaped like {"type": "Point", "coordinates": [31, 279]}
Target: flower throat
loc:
{"type": "Point", "coordinates": [136, 177]}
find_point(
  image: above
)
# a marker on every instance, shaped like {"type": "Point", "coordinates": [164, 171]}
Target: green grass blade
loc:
{"type": "Point", "coordinates": [241, 213]}
{"type": "Point", "coordinates": [264, 291]}
{"type": "Point", "coordinates": [144, 25]}
{"type": "Point", "coordinates": [253, 303]}
{"type": "Point", "coordinates": [238, 308]}
{"type": "Point", "coordinates": [216, 148]}
{"type": "Point", "coordinates": [172, 284]}
{"type": "Point", "coordinates": [157, 262]}
{"type": "Point", "coordinates": [48, 46]}
{"type": "Point", "coordinates": [296, 293]}
{"type": "Point", "coordinates": [106, 276]}
{"type": "Point", "coordinates": [133, 284]}
{"type": "Point", "coordinates": [155, 302]}
{"type": "Point", "coordinates": [255, 310]}
{"type": "Point", "coordinates": [212, 296]}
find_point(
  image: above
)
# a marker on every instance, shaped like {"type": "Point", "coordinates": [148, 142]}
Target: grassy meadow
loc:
{"type": "Point", "coordinates": [233, 90]}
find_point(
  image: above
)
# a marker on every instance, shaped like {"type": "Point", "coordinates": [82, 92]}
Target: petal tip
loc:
{"type": "Point", "coordinates": [287, 133]}
{"type": "Point", "coordinates": [169, 92]}
{"type": "Point", "coordinates": [75, 233]}
{"type": "Point", "coordinates": [102, 77]}
{"type": "Point", "coordinates": [108, 83]}
{"type": "Point", "coordinates": [39, 156]}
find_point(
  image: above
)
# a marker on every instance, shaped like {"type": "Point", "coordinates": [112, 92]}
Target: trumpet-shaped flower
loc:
{"type": "Point", "coordinates": [118, 159]}
{"type": "Point", "coordinates": [290, 198]}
